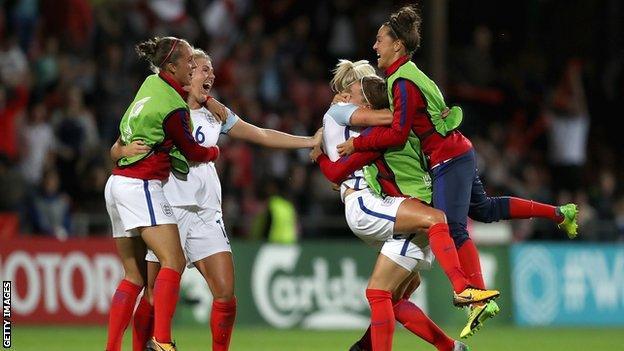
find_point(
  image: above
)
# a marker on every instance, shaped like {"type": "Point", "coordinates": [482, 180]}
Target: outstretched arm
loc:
{"type": "Point", "coordinates": [365, 117]}
{"type": "Point", "coordinates": [270, 137]}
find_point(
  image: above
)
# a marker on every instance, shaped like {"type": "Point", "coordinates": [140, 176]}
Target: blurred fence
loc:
{"type": "Point", "coordinates": [320, 284]}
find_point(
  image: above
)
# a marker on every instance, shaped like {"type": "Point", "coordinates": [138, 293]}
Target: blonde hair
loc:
{"type": "Point", "coordinates": [200, 54]}
{"type": "Point", "coordinates": [347, 73]}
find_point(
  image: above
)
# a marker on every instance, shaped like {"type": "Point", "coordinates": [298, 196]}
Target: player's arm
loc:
{"type": "Point", "coordinates": [407, 101]}
{"type": "Point", "coordinates": [177, 128]}
{"type": "Point", "coordinates": [270, 137]}
{"type": "Point", "coordinates": [365, 117]}
{"type": "Point", "coordinates": [119, 150]}
{"type": "Point", "coordinates": [338, 171]}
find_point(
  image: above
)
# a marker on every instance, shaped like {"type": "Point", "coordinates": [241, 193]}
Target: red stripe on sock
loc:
{"type": "Point", "coordinates": [382, 319]}
{"type": "Point", "coordinates": [470, 263]}
{"type": "Point", "coordinates": [143, 325]}
{"type": "Point", "coordinates": [521, 208]}
{"type": "Point", "coordinates": [166, 290]}
{"type": "Point", "coordinates": [444, 250]}
{"type": "Point", "coordinates": [222, 320]}
{"type": "Point", "coordinates": [120, 313]}
{"type": "Point", "coordinates": [416, 321]}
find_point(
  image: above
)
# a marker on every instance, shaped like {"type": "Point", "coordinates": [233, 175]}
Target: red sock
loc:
{"type": "Point", "coordinates": [469, 259]}
{"type": "Point", "coordinates": [221, 324]}
{"type": "Point", "coordinates": [521, 208]}
{"type": "Point", "coordinates": [382, 319]}
{"type": "Point", "coordinates": [444, 250]}
{"type": "Point", "coordinates": [120, 313]}
{"type": "Point", "coordinates": [416, 321]}
{"type": "Point", "coordinates": [166, 290]}
{"type": "Point", "coordinates": [143, 325]}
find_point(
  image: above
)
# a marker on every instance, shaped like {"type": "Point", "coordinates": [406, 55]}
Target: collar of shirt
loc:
{"type": "Point", "coordinates": [168, 78]}
{"type": "Point", "coordinates": [395, 65]}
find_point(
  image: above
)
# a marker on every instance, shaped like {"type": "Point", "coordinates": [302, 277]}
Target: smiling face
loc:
{"type": "Point", "coordinates": [203, 75]}
{"type": "Point", "coordinates": [182, 68]}
{"type": "Point", "coordinates": [387, 48]}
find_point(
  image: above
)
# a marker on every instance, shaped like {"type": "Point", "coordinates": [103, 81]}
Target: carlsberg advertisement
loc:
{"type": "Point", "coordinates": [318, 285]}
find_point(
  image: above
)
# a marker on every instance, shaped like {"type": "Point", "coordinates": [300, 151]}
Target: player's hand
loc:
{"type": "Point", "coordinates": [346, 148]}
{"type": "Point", "coordinates": [335, 187]}
{"type": "Point", "coordinates": [341, 97]}
{"type": "Point", "coordinates": [136, 147]}
{"type": "Point", "coordinates": [445, 112]}
{"type": "Point", "coordinates": [315, 152]}
{"type": "Point", "coordinates": [217, 109]}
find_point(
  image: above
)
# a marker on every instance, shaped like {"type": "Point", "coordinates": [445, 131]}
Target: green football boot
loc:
{"type": "Point", "coordinates": [570, 214]}
{"type": "Point", "coordinates": [478, 315]}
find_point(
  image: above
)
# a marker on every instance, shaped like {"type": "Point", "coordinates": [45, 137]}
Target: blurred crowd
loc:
{"type": "Point", "coordinates": [539, 111]}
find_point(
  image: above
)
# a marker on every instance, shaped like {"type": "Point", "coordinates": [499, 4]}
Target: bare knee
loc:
{"type": "Point", "coordinates": [134, 277]}
{"type": "Point", "coordinates": [173, 261]}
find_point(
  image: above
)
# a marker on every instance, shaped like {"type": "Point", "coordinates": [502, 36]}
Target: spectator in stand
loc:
{"type": "Point", "coordinates": [50, 208]}
{"type": "Point", "coordinates": [568, 120]}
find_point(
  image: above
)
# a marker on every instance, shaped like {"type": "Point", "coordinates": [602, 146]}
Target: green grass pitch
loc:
{"type": "Point", "coordinates": [250, 339]}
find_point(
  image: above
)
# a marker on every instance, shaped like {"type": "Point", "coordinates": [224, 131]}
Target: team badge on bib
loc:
{"type": "Point", "coordinates": [167, 209]}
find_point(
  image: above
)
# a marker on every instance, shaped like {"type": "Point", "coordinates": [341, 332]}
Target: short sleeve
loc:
{"type": "Point", "coordinates": [230, 121]}
{"type": "Point", "coordinates": [341, 113]}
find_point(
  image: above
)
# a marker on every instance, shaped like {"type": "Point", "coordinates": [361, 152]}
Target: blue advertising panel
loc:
{"type": "Point", "coordinates": [568, 284]}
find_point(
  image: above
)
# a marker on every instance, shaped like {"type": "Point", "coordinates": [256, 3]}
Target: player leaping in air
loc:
{"type": "Point", "coordinates": [420, 111]}
{"type": "Point", "coordinates": [403, 228]}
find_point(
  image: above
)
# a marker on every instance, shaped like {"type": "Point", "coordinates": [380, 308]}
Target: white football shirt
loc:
{"type": "Point", "coordinates": [201, 187]}
{"type": "Point", "coordinates": [336, 130]}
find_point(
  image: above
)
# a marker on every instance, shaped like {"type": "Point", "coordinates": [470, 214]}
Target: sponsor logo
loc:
{"type": "Point", "coordinates": [286, 297]}
{"type": "Point", "coordinates": [61, 285]}
{"type": "Point", "coordinates": [557, 284]}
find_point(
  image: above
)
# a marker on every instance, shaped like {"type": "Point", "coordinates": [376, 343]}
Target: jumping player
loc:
{"type": "Point", "coordinates": [140, 213]}
{"type": "Point", "coordinates": [400, 227]}
{"type": "Point", "coordinates": [420, 110]}
{"type": "Point", "coordinates": [196, 203]}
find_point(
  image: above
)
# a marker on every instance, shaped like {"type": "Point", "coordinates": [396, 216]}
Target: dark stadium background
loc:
{"type": "Point", "coordinates": [68, 71]}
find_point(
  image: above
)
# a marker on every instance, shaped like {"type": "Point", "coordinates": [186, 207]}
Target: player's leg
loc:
{"type": "Point", "coordinates": [218, 270]}
{"type": "Point", "coordinates": [386, 277]}
{"type": "Point", "coordinates": [208, 247]}
{"type": "Point", "coordinates": [413, 216]}
{"type": "Point", "coordinates": [143, 325]}
{"type": "Point", "coordinates": [492, 209]}
{"type": "Point", "coordinates": [143, 321]}
{"type": "Point", "coordinates": [131, 251]}
{"type": "Point", "coordinates": [165, 242]}
{"type": "Point", "coordinates": [416, 321]}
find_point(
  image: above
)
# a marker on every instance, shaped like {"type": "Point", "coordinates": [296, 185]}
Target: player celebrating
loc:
{"type": "Point", "coordinates": [140, 213]}
{"type": "Point", "coordinates": [420, 110]}
{"type": "Point", "coordinates": [196, 202]}
{"type": "Point", "coordinates": [396, 224]}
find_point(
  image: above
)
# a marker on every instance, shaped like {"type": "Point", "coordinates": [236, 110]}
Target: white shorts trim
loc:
{"type": "Point", "coordinates": [202, 234]}
{"type": "Point", "coordinates": [132, 203]}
